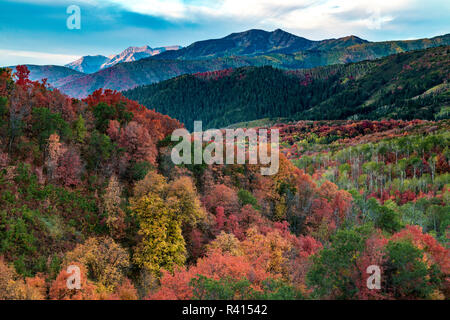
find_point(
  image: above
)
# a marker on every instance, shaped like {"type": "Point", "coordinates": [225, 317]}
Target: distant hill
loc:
{"type": "Point", "coordinates": [251, 42]}
{"type": "Point", "coordinates": [403, 86]}
{"type": "Point", "coordinates": [260, 42]}
{"type": "Point", "coordinates": [88, 64]}
{"type": "Point", "coordinates": [129, 75]}
{"type": "Point", "coordinates": [56, 76]}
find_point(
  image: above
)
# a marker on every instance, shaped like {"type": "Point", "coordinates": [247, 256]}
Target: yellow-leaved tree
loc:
{"type": "Point", "coordinates": [164, 211]}
{"type": "Point", "coordinates": [162, 245]}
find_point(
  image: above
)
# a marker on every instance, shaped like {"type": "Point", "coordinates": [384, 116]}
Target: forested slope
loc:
{"type": "Point", "coordinates": [403, 86]}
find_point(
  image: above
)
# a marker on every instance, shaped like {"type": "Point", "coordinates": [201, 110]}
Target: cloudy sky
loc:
{"type": "Point", "coordinates": [35, 31]}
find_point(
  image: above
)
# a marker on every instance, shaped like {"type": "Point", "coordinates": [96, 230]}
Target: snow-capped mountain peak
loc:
{"type": "Point", "coordinates": [91, 64]}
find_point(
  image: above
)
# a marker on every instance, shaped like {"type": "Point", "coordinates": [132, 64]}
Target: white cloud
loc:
{"type": "Point", "coordinates": [336, 15]}
{"type": "Point", "coordinates": [171, 9]}
{"type": "Point", "coordinates": [257, 9]}
{"type": "Point", "coordinates": [14, 57]}
{"type": "Point", "coordinates": [321, 17]}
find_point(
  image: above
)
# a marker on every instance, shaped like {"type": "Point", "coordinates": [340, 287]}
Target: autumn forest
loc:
{"type": "Point", "coordinates": [90, 183]}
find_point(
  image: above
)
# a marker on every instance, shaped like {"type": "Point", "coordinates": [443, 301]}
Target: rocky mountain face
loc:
{"type": "Point", "coordinates": [88, 64]}
{"type": "Point", "coordinates": [92, 64]}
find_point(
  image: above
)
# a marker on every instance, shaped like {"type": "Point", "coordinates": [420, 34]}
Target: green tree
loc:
{"type": "Point", "coordinates": [44, 123]}
{"type": "Point", "coordinates": [100, 149]}
{"type": "Point", "coordinates": [79, 129]}
{"type": "Point", "coordinates": [331, 275]}
{"type": "Point", "coordinates": [104, 113]}
{"type": "Point", "coordinates": [204, 288]}
{"type": "Point", "coordinates": [246, 197]}
{"type": "Point", "coordinates": [387, 219]}
{"type": "Point", "coordinates": [407, 275]}
{"type": "Point", "coordinates": [3, 110]}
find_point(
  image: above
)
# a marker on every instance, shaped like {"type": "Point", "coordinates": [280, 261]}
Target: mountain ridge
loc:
{"type": "Point", "coordinates": [250, 42]}
{"type": "Point", "coordinates": [215, 54]}
{"type": "Point", "coordinates": [91, 64]}
{"type": "Point", "coordinates": [154, 69]}
{"type": "Point", "coordinates": [406, 86]}
{"type": "Point", "coordinates": [87, 64]}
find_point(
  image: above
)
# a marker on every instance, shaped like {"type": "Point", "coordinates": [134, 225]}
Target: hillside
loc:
{"type": "Point", "coordinates": [129, 75]}
{"type": "Point", "coordinates": [402, 164]}
{"type": "Point", "coordinates": [90, 183]}
{"type": "Point", "coordinates": [56, 76]}
{"type": "Point", "coordinates": [403, 86]}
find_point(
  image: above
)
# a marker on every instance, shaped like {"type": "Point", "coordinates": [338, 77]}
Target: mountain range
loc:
{"type": "Point", "coordinates": [412, 85]}
{"type": "Point", "coordinates": [279, 49]}
{"type": "Point", "coordinates": [91, 64]}
{"type": "Point", "coordinates": [256, 42]}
